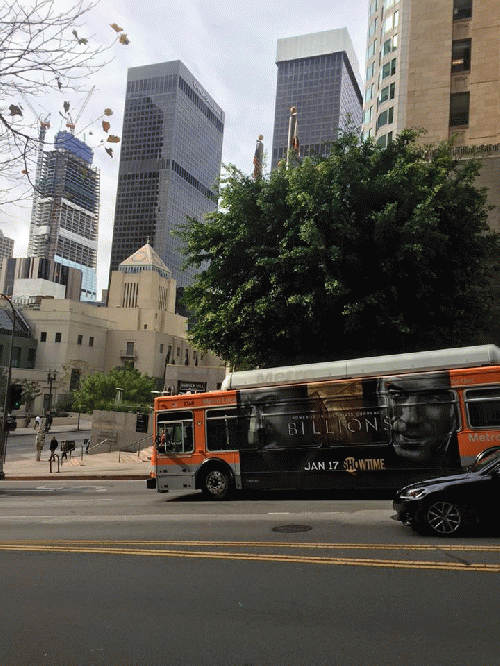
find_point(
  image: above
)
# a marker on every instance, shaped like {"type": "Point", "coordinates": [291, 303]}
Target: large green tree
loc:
{"type": "Point", "coordinates": [367, 251]}
{"type": "Point", "coordinates": [99, 390]}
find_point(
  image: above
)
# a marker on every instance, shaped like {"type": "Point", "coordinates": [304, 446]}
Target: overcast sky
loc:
{"type": "Point", "coordinates": [228, 45]}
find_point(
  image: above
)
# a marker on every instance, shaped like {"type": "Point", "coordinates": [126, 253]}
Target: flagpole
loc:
{"type": "Point", "coordinates": [257, 158]}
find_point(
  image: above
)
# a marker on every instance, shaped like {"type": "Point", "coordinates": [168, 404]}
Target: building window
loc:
{"type": "Point", "coordinates": [389, 68]}
{"type": "Point", "coordinates": [16, 357]}
{"type": "Point", "coordinates": [31, 358]}
{"type": "Point", "coordinates": [79, 340]}
{"type": "Point", "coordinates": [371, 50]}
{"type": "Point", "coordinates": [57, 337]}
{"type": "Point", "coordinates": [460, 56]}
{"type": "Point", "coordinates": [367, 116]}
{"type": "Point", "coordinates": [43, 336]}
{"type": "Point", "coordinates": [462, 9]}
{"type": "Point", "coordinates": [391, 21]}
{"type": "Point", "coordinates": [91, 342]}
{"type": "Point", "coordinates": [130, 348]}
{"type": "Point", "coordinates": [386, 93]}
{"type": "Point", "coordinates": [369, 92]}
{"type": "Point", "coordinates": [459, 109]}
{"type": "Point", "coordinates": [390, 45]}
{"type": "Point", "coordinates": [386, 117]}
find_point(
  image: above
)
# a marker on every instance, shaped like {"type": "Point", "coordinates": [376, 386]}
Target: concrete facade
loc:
{"type": "Point", "coordinates": [435, 65]}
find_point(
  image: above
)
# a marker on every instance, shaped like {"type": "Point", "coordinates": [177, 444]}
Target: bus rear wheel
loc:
{"type": "Point", "coordinates": [217, 484]}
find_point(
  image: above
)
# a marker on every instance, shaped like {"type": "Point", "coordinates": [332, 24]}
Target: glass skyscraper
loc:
{"type": "Point", "coordinates": [318, 75]}
{"type": "Point", "coordinates": [170, 160]}
{"type": "Point", "coordinates": [65, 218]}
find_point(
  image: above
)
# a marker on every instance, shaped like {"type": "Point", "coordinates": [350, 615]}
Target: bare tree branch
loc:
{"type": "Point", "coordinates": [41, 49]}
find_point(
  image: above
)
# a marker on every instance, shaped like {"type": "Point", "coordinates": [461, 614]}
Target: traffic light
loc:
{"type": "Point", "coordinates": [15, 394]}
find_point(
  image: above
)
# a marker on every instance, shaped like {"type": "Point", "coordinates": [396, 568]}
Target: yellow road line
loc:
{"type": "Point", "coordinates": [275, 544]}
{"type": "Point", "coordinates": [331, 561]}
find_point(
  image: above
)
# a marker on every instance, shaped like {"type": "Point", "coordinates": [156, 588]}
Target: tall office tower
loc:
{"type": "Point", "coordinates": [436, 66]}
{"type": "Point", "coordinates": [6, 247]}
{"type": "Point", "coordinates": [318, 74]}
{"type": "Point", "coordinates": [170, 159]}
{"type": "Point", "coordinates": [64, 223]}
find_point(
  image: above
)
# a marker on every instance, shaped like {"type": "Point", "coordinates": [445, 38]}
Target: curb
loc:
{"type": "Point", "coordinates": [79, 477]}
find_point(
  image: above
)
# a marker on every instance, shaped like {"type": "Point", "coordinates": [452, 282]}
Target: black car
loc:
{"type": "Point", "coordinates": [446, 505]}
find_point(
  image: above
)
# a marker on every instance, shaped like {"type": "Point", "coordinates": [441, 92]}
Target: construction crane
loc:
{"type": "Point", "coordinates": [72, 124]}
{"type": "Point", "coordinates": [44, 125]}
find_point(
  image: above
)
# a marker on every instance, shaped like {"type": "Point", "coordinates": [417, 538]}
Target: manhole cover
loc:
{"type": "Point", "coordinates": [292, 528]}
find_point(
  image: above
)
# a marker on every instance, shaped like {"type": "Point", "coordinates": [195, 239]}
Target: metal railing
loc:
{"type": "Point", "coordinates": [137, 443]}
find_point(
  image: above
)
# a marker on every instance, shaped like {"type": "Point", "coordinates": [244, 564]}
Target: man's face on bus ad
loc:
{"type": "Point", "coordinates": [423, 416]}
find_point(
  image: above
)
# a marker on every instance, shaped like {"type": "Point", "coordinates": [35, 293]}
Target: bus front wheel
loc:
{"type": "Point", "coordinates": [216, 484]}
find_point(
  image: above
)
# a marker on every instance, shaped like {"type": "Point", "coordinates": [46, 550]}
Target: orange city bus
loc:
{"type": "Point", "coordinates": [377, 422]}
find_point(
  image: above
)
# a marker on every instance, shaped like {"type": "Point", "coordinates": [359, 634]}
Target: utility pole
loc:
{"type": "Point", "coordinates": [3, 430]}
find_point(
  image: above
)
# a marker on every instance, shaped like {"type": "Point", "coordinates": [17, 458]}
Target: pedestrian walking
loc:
{"type": "Point", "coordinates": [48, 422]}
{"type": "Point", "coordinates": [37, 422]}
{"type": "Point", "coordinates": [53, 446]}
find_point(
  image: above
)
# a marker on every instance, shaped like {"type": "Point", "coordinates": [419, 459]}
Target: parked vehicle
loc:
{"type": "Point", "coordinates": [447, 505]}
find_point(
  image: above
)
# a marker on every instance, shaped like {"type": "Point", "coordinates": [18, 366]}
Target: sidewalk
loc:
{"type": "Point", "coordinates": [115, 465]}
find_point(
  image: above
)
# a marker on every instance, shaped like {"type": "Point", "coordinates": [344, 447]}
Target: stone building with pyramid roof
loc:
{"type": "Point", "coordinates": [138, 328]}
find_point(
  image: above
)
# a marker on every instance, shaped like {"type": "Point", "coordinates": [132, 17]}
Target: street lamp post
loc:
{"type": "Point", "coordinates": [51, 377]}
{"type": "Point", "coordinates": [3, 430]}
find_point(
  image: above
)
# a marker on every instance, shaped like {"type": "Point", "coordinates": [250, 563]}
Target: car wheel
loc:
{"type": "Point", "coordinates": [217, 484]}
{"type": "Point", "coordinates": [444, 518]}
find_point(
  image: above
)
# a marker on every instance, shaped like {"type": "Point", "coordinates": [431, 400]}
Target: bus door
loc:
{"type": "Point", "coordinates": [175, 469]}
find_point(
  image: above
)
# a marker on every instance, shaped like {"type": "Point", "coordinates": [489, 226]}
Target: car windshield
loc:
{"type": "Point", "coordinates": [487, 459]}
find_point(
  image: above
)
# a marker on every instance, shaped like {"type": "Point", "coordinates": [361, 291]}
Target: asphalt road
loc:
{"type": "Point", "coordinates": [111, 573]}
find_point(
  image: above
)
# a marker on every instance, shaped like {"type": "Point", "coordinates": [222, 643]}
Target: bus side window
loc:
{"type": "Point", "coordinates": [483, 407]}
{"type": "Point", "coordinates": [226, 430]}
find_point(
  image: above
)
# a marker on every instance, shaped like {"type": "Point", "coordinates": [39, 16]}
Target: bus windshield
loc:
{"type": "Point", "coordinates": [174, 432]}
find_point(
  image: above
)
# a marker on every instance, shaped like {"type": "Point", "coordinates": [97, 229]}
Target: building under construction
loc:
{"type": "Point", "coordinates": [64, 224]}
